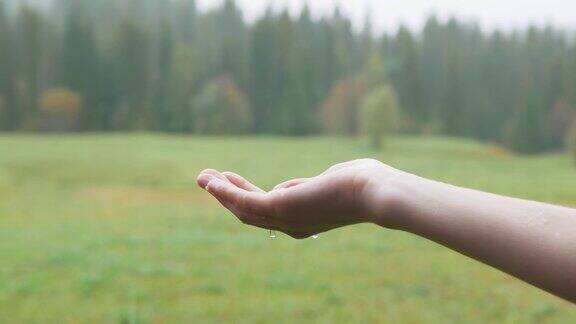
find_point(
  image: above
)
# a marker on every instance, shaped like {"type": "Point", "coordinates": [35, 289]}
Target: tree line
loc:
{"type": "Point", "coordinates": [118, 65]}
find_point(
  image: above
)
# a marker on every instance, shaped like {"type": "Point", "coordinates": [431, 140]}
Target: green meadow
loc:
{"type": "Point", "coordinates": [112, 228]}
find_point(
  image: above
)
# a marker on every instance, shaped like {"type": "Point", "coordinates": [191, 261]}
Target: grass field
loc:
{"type": "Point", "coordinates": [112, 229]}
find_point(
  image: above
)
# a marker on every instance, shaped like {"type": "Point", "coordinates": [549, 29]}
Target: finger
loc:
{"type": "Point", "coordinates": [241, 182]}
{"type": "Point", "coordinates": [243, 201]}
{"type": "Point", "coordinates": [246, 218]}
{"type": "Point", "coordinates": [264, 222]}
{"type": "Point", "coordinates": [203, 180]}
{"type": "Point", "coordinates": [207, 175]}
{"type": "Point", "coordinates": [258, 221]}
{"type": "Point", "coordinates": [242, 216]}
{"type": "Point", "coordinates": [291, 183]}
{"type": "Point", "coordinates": [214, 173]}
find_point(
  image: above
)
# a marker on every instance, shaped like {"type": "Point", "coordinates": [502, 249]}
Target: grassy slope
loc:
{"type": "Point", "coordinates": [111, 228]}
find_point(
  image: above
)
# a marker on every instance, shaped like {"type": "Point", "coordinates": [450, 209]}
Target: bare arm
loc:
{"type": "Point", "coordinates": [533, 241]}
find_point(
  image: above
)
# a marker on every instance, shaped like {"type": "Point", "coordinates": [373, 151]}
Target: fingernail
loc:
{"type": "Point", "coordinates": [204, 180]}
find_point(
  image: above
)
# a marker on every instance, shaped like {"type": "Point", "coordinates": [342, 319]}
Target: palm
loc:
{"type": "Point", "coordinates": [300, 207]}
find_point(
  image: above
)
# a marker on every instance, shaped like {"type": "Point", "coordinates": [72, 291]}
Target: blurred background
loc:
{"type": "Point", "coordinates": [109, 108]}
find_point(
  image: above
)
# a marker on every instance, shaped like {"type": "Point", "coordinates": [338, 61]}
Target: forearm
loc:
{"type": "Point", "coordinates": [533, 241]}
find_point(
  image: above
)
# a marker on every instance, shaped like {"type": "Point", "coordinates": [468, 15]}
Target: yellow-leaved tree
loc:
{"type": "Point", "coordinates": [60, 108]}
{"type": "Point", "coordinates": [380, 114]}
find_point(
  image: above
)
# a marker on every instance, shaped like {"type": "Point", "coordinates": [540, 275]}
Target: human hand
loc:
{"type": "Point", "coordinates": [359, 191]}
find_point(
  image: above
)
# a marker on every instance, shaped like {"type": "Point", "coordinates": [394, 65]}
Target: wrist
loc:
{"type": "Point", "coordinates": [390, 198]}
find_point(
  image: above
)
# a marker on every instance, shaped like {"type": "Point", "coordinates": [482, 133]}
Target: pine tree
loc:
{"type": "Point", "coordinates": [80, 67]}
{"type": "Point", "coordinates": [294, 116]}
{"type": "Point", "coordinates": [164, 62]}
{"type": "Point", "coordinates": [523, 136]}
{"type": "Point", "coordinates": [9, 118]}
{"type": "Point", "coordinates": [233, 48]}
{"type": "Point", "coordinates": [407, 78]}
{"type": "Point", "coordinates": [264, 72]}
{"type": "Point", "coordinates": [186, 21]}
{"type": "Point", "coordinates": [453, 97]}
{"type": "Point", "coordinates": [525, 128]}
{"type": "Point", "coordinates": [433, 63]}
{"type": "Point", "coordinates": [30, 51]}
{"type": "Point", "coordinates": [310, 70]}
{"type": "Point", "coordinates": [176, 106]}
{"type": "Point", "coordinates": [132, 70]}
{"type": "Point", "coordinates": [367, 40]}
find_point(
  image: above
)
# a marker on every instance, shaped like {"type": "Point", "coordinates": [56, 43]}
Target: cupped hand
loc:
{"type": "Point", "coordinates": [349, 193]}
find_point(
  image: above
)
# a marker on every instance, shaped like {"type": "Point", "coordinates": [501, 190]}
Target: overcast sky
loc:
{"type": "Point", "coordinates": [388, 14]}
